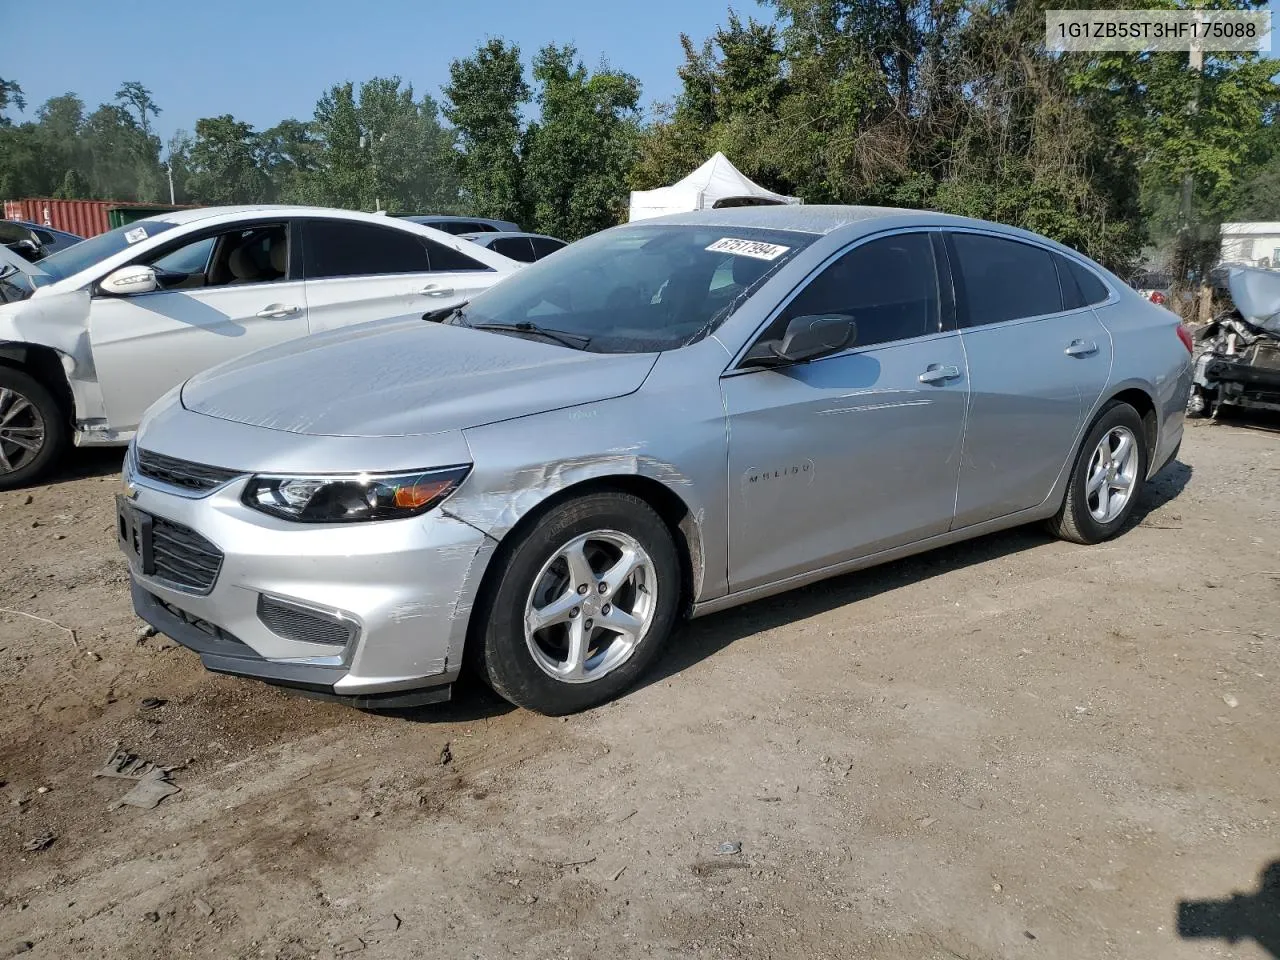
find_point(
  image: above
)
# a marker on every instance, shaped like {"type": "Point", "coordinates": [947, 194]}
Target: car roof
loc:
{"type": "Point", "coordinates": [821, 219]}
{"type": "Point", "coordinates": [32, 225]}
{"type": "Point", "coordinates": [499, 234]}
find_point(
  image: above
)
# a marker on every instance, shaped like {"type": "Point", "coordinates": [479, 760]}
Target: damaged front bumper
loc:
{"type": "Point", "coordinates": [372, 614]}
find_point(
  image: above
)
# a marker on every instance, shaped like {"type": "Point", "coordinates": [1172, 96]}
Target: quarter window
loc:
{"type": "Point", "coordinates": [1091, 288]}
{"type": "Point", "coordinates": [334, 248]}
{"type": "Point", "coordinates": [888, 286]}
{"type": "Point", "coordinates": [445, 258]}
{"type": "Point", "coordinates": [544, 246]}
{"type": "Point", "coordinates": [999, 280]}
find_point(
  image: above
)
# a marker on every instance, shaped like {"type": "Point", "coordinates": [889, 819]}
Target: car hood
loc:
{"type": "Point", "coordinates": [407, 377]}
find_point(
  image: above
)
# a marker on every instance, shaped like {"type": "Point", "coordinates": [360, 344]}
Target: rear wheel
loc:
{"type": "Point", "coordinates": [33, 430]}
{"type": "Point", "coordinates": [583, 603]}
{"type": "Point", "coordinates": [1107, 478]}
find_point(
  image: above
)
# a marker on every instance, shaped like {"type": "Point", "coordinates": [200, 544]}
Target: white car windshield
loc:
{"type": "Point", "coordinates": [86, 253]}
{"type": "Point", "coordinates": [636, 289]}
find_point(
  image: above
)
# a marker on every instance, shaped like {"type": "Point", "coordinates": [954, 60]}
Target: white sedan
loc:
{"type": "Point", "coordinates": [92, 336]}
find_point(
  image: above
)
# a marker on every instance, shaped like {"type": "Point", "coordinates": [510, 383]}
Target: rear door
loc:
{"type": "Point", "coordinates": [1038, 361]}
{"type": "Point", "coordinates": [360, 271]}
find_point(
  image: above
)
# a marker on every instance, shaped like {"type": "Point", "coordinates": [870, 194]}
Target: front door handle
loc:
{"type": "Point", "coordinates": [277, 311]}
{"type": "Point", "coordinates": [939, 373]}
{"type": "Point", "coordinates": [435, 290]}
{"type": "Point", "coordinates": [1081, 348]}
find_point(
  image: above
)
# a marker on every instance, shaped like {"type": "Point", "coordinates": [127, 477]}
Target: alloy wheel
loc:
{"type": "Point", "coordinates": [1112, 475]}
{"type": "Point", "coordinates": [590, 607]}
{"type": "Point", "coordinates": [22, 431]}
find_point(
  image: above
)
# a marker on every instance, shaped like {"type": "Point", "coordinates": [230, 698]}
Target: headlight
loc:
{"type": "Point", "coordinates": [355, 497]}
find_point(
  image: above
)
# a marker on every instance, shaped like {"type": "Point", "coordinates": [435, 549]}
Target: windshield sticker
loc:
{"type": "Point", "coordinates": [136, 234]}
{"type": "Point", "coordinates": [748, 248]}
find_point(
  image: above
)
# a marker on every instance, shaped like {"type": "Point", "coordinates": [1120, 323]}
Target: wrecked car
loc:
{"type": "Point", "coordinates": [667, 418]}
{"type": "Point", "coordinates": [1237, 361]}
{"type": "Point", "coordinates": [94, 334]}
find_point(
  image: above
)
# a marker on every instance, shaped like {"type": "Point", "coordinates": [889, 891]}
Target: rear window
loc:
{"type": "Point", "coordinates": [999, 280]}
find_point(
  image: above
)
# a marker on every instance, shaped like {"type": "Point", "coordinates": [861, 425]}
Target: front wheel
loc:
{"type": "Point", "coordinates": [584, 602]}
{"type": "Point", "coordinates": [1107, 478]}
{"type": "Point", "coordinates": [33, 430]}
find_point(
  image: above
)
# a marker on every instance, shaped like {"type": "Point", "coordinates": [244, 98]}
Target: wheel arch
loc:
{"type": "Point", "coordinates": [1140, 398]}
{"type": "Point", "coordinates": [45, 364]}
{"type": "Point", "coordinates": [683, 523]}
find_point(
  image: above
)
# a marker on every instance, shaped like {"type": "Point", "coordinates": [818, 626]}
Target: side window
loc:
{"type": "Point", "coordinates": [256, 254]}
{"type": "Point", "coordinates": [999, 280]}
{"type": "Point", "coordinates": [45, 237]}
{"type": "Point", "coordinates": [517, 248]}
{"type": "Point", "coordinates": [1091, 288]}
{"type": "Point", "coordinates": [545, 246]}
{"type": "Point", "coordinates": [338, 248]}
{"type": "Point", "coordinates": [1072, 298]}
{"type": "Point", "coordinates": [444, 258]}
{"type": "Point", "coordinates": [888, 286]}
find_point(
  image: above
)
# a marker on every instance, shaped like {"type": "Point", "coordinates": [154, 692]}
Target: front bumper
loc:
{"type": "Point", "coordinates": [402, 590]}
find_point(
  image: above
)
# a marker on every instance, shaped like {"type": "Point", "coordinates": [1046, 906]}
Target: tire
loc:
{"type": "Point", "coordinates": [534, 577]}
{"type": "Point", "coordinates": [28, 413]}
{"type": "Point", "coordinates": [1084, 517]}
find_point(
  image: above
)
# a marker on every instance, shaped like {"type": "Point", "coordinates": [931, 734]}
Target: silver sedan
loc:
{"type": "Point", "coordinates": [664, 420]}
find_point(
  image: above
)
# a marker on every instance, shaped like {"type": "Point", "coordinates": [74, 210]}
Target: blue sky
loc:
{"type": "Point", "coordinates": [269, 59]}
{"type": "Point", "coordinates": [266, 60]}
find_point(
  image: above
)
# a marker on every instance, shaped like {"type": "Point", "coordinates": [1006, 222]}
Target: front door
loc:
{"type": "Point", "coordinates": [224, 294]}
{"type": "Point", "coordinates": [1038, 361]}
{"type": "Point", "coordinates": [858, 452]}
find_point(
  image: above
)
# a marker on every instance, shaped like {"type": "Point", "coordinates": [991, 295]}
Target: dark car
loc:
{"type": "Point", "coordinates": [525, 247]}
{"type": "Point", "coordinates": [52, 240]}
{"type": "Point", "coordinates": [461, 225]}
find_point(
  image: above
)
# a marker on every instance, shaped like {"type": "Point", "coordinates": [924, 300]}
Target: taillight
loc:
{"type": "Point", "coordinates": [1157, 297]}
{"type": "Point", "coordinates": [1185, 336]}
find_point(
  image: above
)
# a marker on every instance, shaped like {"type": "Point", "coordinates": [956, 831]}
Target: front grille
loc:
{"type": "Point", "coordinates": [295, 623]}
{"type": "Point", "coordinates": [182, 557]}
{"type": "Point", "coordinates": [198, 477]}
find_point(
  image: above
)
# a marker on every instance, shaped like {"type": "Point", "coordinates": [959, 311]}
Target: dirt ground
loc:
{"type": "Point", "coordinates": [1013, 747]}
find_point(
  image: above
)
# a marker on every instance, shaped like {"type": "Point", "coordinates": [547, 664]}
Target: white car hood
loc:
{"type": "Point", "coordinates": [407, 378]}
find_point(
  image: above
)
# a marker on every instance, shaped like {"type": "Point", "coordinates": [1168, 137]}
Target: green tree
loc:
{"type": "Point", "coordinates": [483, 100]}
{"type": "Point", "coordinates": [577, 156]}
{"type": "Point", "coordinates": [134, 95]}
{"type": "Point", "coordinates": [226, 163]}
{"type": "Point", "coordinates": [10, 96]}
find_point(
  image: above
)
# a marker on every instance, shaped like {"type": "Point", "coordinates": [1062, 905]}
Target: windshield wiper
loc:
{"type": "Point", "coordinates": [561, 337]}
{"type": "Point", "coordinates": [444, 313]}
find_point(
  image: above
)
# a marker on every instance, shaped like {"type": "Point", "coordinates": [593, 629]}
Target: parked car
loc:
{"type": "Point", "coordinates": [52, 240]}
{"type": "Point", "coordinates": [460, 225]}
{"type": "Point", "coordinates": [525, 247]}
{"type": "Point", "coordinates": [669, 417]}
{"type": "Point", "coordinates": [18, 238]}
{"type": "Point", "coordinates": [101, 330]}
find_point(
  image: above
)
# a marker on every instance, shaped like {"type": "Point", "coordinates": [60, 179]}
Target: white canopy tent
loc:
{"type": "Point", "coordinates": [717, 183]}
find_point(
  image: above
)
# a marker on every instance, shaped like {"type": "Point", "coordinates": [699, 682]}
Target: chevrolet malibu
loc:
{"type": "Point", "coordinates": [666, 419]}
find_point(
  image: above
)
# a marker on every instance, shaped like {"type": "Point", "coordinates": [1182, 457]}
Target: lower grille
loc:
{"type": "Point", "coordinates": [298, 623]}
{"type": "Point", "coordinates": [196, 477]}
{"type": "Point", "coordinates": [214, 631]}
{"type": "Point", "coordinates": [182, 557]}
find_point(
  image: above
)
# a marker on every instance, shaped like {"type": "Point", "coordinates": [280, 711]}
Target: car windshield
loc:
{"type": "Point", "coordinates": [637, 289]}
{"type": "Point", "coordinates": [86, 253]}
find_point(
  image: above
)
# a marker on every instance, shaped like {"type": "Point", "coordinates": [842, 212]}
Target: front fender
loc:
{"type": "Point", "coordinates": [57, 323]}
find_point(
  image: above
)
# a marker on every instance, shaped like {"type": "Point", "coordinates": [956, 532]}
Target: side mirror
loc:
{"type": "Point", "coordinates": [806, 338]}
{"type": "Point", "coordinates": [129, 281]}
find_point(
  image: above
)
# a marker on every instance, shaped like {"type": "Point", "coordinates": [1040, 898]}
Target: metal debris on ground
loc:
{"type": "Point", "coordinates": [152, 703]}
{"type": "Point", "coordinates": [729, 848]}
{"type": "Point", "coordinates": [383, 927]}
{"type": "Point", "coordinates": [151, 781]}
{"type": "Point", "coordinates": [41, 842]}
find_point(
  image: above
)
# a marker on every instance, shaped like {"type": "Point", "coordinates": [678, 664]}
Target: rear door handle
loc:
{"type": "Point", "coordinates": [1081, 348]}
{"type": "Point", "coordinates": [939, 373]}
{"type": "Point", "coordinates": [277, 311]}
{"type": "Point", "coordinates": [435, 290]}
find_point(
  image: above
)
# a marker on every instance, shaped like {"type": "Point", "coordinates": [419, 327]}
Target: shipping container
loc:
{"type": "Point", "coordinates": [86, 218]}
